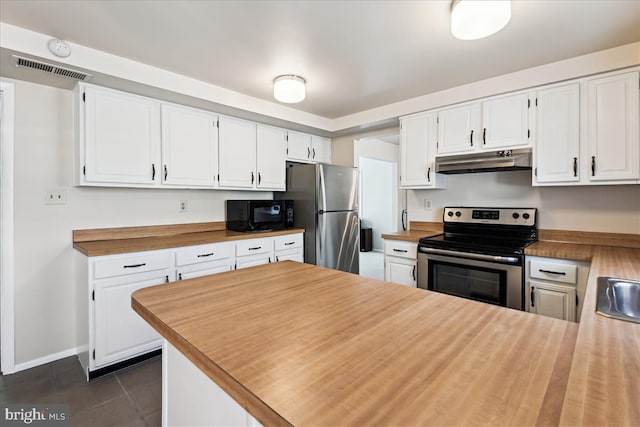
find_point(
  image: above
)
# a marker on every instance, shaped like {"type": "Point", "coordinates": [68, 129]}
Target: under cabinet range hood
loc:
{"type": "Point", "coordinates": [489, 161]}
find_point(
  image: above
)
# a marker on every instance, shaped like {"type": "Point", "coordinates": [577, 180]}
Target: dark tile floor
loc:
{"type": "Point", "coordinates": [129, 397]}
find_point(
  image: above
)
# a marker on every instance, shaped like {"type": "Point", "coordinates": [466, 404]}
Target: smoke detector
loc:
{"type": "Point", "coordinates": [59, 48]}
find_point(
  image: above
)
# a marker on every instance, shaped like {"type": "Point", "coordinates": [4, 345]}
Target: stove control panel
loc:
{"type": "Point", "coordinates": [502, 216]}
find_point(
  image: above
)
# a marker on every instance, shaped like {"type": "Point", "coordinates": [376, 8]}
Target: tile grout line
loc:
{"type": "Point", "coordinates": [131, 402]}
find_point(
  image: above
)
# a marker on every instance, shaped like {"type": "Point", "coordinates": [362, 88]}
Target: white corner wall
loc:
{"type": "Point", "coordinates": [45, 297]}
{"type": "Point", "coordinates": [378, 182]}
{"type": "Point", "coordinates": [614, 209]}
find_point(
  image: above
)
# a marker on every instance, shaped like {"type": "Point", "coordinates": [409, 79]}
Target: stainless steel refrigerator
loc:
{"type": "Point", "coordinates": [325, 203]}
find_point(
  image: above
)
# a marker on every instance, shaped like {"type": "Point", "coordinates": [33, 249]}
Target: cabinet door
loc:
{"type": "Point", "coordinates": [320, 149]}
{"type": "Point", "coordinates": [505, 122]}
{"type": "Point", "coordinates": [296, 254]}
{"type": "Point", "coordinates": [558, 134]}
{"type": "Point", "coordinates": [613, 133]}
{"type": "Point", "coordinates": [212, 268]}
{"type": "Point", "coordinates": [253, 260]}
{"type": "Point", "coordinates": [417, 135]}
{"type": "Point", "coordinates": [237, 149]}
{"type": "Point", "coordinates": [270, 148]}
{"type": "Point", "coordinates": [400, 270]}
{"type": "Point", "coordinates": [552, 300]}
{"type": "Point", "coordinates": [298, 146]}
{"type": "Point", "coordinates": [121, 137]}
{"type": "Point", "coordinates": [189, 147]}
{"type": "Point", "coordinates": [120, 333]}
{"type": "Point", "coordinates": [458, 129]}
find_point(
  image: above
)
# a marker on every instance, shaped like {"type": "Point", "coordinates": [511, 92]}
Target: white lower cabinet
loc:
{"type": "Point", "coordinates": [115, 332]}
{"type": "Point", "coordinates": [556, 287]}
{"type": "Point", "coordinates": [289, 247]}
{"type": "Point", "coordinates": [254, 252]}
{"type": "Point", "coordinates": [401, 262]}
{"type": "Point", "coordinates": [553, 300]}
{"type": "Point", "coordinates": [202, 260]}
{"type": "Point", "coordinates": [119, 332]}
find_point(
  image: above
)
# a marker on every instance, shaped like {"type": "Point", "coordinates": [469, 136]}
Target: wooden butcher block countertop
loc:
{"type": "Point", "coordinates": [417, 230]}
{"type": "Point", "coordinates": [604, 384]}
{"type": "Point", "coordinates": [301, 345]}
{"type": "Point", "coordinates": [108, 241]}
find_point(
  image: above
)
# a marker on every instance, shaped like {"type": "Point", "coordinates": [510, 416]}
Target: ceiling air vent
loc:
{"type": "Point", "coordinates": [49, 68]}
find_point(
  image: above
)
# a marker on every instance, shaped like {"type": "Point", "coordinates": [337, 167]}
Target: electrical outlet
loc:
{"type": "Point", "coordinates": [183, 205]}
{"type": "Point", "coordinates": [55, 196]}
{"type": "Point", "coordinates": [428, 204]}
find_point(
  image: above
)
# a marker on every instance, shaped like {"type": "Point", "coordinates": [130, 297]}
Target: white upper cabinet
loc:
{"type": "Point", "coordinates": [458, 129]}
{"type": "Point", "coordinates": [125, 140]}
{"type": "Point", "coordinates": [613, 129]}
{"type": "Point", "coordinates": [119, 138]}
{"type": "Point", "coordinates": [270, 149]}
{"type": "Point", "coordinates": [417, 152]}
{"type": "Point", "coordinates": [189, 147]}
{"type": "Point", "coordinates": [308, 148]}
{"type": "Point", "coordinates": [320, 149]}
{"type": "Point", "coordinates": [237, 150]}
{"type": "Point", "coordinates": [497, 123]}
{"type": "Point", "coordinates": [298, 146]}
{"type": "Point", "coordinates": [505, 122]}
{"type": "Point", "coordinates": [557, 147]}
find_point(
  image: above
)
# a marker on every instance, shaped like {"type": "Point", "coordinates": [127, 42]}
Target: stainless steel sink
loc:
{"type": "Point", "coordinates": [619, 299]}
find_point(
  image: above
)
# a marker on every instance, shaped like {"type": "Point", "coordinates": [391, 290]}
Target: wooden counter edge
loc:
{"type": "Point", "coordinates": [122, 246]}
{"type": "Point", "coordinates": [249, 401]}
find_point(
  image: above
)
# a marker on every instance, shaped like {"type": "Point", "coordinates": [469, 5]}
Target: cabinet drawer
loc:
{"type": "Point", "coordinates": [203, 253]}
{"type": "Point", "coordinates": [122, 265]}
{"type": "Point", "coordinates": [254, 246]}
{"type": "Point", "coordinates": [288, 242]}
{"type": "Point", "coordinates": [401, 249]}
{"type": "Point", "coordinates": [554, 271]}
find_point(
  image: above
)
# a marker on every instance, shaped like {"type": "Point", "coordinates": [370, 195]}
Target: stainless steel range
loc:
{"type": "Point", "coordinates": [480, 255]}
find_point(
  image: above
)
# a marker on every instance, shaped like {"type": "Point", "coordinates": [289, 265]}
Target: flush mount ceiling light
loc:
{"type": "Point", "coordinates": [289, 88]}
{"type": "Point", "coordinates": [475, 19]}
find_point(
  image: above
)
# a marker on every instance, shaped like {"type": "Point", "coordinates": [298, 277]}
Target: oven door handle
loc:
{"type": "Point", "coordinates": [469, 255]}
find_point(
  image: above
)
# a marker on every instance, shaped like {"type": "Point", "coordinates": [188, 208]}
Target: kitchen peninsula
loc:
{"type": "Point", "coordinates": [296, 344]}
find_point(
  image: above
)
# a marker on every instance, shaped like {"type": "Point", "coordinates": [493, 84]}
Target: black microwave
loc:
{"type": "Point", "coordinates": [259, 215]}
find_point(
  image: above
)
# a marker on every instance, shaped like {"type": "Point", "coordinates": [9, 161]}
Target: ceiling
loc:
{"type": "Point", "coordinates": [355, 55]}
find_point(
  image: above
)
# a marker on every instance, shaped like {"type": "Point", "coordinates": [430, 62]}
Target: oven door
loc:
{"type": "Point", "coordinates": [493, 282]}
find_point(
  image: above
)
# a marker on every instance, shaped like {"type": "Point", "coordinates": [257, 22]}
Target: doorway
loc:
{"type": "Point", "coordinates": [381, 202]}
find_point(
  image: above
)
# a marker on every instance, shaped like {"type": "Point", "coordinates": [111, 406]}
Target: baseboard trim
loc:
{"type": "Point", "coordinates": [47, 359]}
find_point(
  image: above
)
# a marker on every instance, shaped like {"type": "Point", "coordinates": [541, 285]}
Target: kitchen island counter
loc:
{"type": "Point", "coordinates": [296, 344]}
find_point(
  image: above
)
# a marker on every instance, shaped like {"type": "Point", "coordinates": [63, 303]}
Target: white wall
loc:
{"type": "Point", "coordinates": [378, 181]}
{"type": "Point", "coordinates": [45, 322]}
{"type": "Point", "coordinates": [342, 147]}
{"type": "Point", "coordinates": [614, 209]}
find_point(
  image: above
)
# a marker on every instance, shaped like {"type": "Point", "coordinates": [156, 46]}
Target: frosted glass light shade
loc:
{"type": "Point", "coordinates": [289, 88]}
{"type": "Point", "coordinates": [475, 19]}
